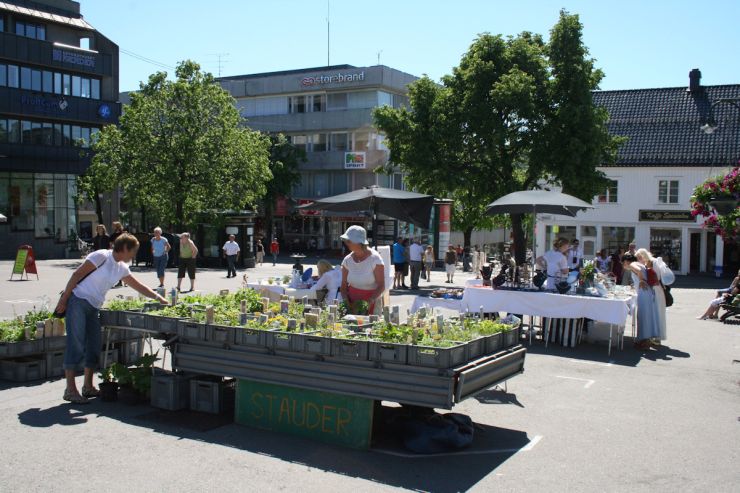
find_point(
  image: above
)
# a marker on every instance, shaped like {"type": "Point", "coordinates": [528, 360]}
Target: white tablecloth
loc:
{"type": "Point", "coordinates": [469, 283]}
{"type": "Point", "coordinates": [274, 291]}
{"type": "Point", "coordinates": [448, 304]}
{"type": "Point", "coordinates": [608, 310]}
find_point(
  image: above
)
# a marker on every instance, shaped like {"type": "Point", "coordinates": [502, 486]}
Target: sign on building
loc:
{"type": "Point", "coordinates": [354, 160]}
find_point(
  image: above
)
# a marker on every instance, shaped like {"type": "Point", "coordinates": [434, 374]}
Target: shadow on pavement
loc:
{"type": "Point", "coordinates": [497, 396]}
{"type": "Point", "coordinates": [63, 414]}
{"type": "Point", "coordinates": [595, 353]}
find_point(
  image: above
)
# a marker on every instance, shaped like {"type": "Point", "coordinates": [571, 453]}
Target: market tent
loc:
{"type": "Point", "coordinates": [410, 207]}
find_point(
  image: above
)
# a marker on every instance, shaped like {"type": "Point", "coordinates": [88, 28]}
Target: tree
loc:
{"type": "Point", "coordinates": [99, 178]}
{"type": "Point", "coordinates": [284, 160]}
{"type": "Point", "coordinates": [180, 149]}
{"type": "Point", "coordinates": [508, 118]}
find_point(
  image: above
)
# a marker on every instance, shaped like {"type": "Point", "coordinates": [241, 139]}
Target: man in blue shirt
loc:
{"type": "Point", "coordinates": [399, 263]}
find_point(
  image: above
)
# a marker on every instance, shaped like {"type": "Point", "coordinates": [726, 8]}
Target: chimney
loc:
{"type": "Point", "coordinates": [694, 81]}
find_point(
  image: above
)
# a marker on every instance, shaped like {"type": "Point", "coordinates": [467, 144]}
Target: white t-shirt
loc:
{"type": "Point", "coordinates": [556, 263]}
{"type": "Point", "coordinates": [231, 248]}
{"type": "Point", "coordinates": [575, 255]}
{"type": "Point", "coordinates": [361, 275]}
{"type": "Point", "coordinates": [331, 281]}
{"type": "Point", "coordinates": [415, 252]}
{"type": "Point", "coordinates": [93, 288]}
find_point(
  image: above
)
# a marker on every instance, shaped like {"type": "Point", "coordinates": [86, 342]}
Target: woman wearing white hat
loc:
{"type": "Point", "coordinates": [363, 272]}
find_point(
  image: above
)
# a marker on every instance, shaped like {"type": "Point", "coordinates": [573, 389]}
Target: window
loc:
{"type": "Point", "coordinates": [609, 196]}
{"type": "Point", "coordinates": [76, 134]}
{"type": "Point", "coordinates": [362, 99]}
{"type": "Point", "coordinates": [25, 78]}
{"type": "Point", "coordinates": [67, 135]}
{"type": "Point", "coordinates": [85, 90]}
{"type": "Point", "coordinates": [13, 75]}
{"type": "Point", "coordinates": [2, 26]}
{"type": "Point", "coordinates": [85, 135]}
{"type": "Point", "coordinates": [58, 136]}
{"type": "Point", "coordinates": [66, 84]}
{"type": "Point", "coordinates": [339, 142]}
{"type": "Point", "coordinates": [300, 141]}
{"type": "Point", "coordinates": [385, 98]}
{"type": "Point", "coordinates": [20, 29]}
{"type": "Point", "coordinates": [44, 206]}
{"type": "Point", "coordinates": [47, 135]}
{"type": "Point", "coordinates": [48, 82]}
{"type": "Point", "coordinates": [21, 199]}
{"type": "Point", "coordinates": [36, 80]}
{"type": "Point", "coordinates": [57, 83]}
{"type": "Point", "coordinates": [26, 132]}
{"type": "Point", "coordinates": [14, 131]}
{"type": "Point", "coordinates": [29, 30]}
{"type": "Point", "coordinates": [95, 88]}
{"type": "Point", "coordinates": [318, 142]}
{"type": "Point", "coordinates": [297, 104]}
{"type": "Point", "coordinates": [41, 32]}
{"type": "Point", "coordinates": [668, 191]}
{"type": "Point", "coordinates": [336, 101]}
{"type": "Point", "coordinates": [36, 134]}
{"type": "Point", "coordinates": [321, 185]}
{"type": "Point", "coordinates": [3, 74]}
{"type": "Point", "coordinates": [319, 103]}
{"type": "Point", "coordinates": [76, 85]}
{"type": "Point", "coordinates": [3, 134]}
{"type": "Point", "coordinates": [362, 141]}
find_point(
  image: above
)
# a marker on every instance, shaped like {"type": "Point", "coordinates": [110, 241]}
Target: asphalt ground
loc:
{"type": "Point", "coordinates": [576, 420]}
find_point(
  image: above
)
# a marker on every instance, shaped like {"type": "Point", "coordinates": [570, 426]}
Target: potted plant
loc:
{"type": "Point", "coordinates": [141, 375]}
{"type": "Point", "coordinates": [108, 384]}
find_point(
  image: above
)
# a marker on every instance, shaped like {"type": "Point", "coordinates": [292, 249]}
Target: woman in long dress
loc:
{"type": "Point", "coordinates": [648, 320]}
{"type": "Point", "coordinates": [650, 262]}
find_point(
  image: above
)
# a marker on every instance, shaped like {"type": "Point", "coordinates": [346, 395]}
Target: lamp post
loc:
{"type": "Point", "coordinates": [710, 125]}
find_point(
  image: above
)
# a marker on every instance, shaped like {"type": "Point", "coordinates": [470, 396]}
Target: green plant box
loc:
{"type": "Point", "coordinates": [55, 343]}
{"type": "Point", "coordinates": [279, 340]}
{"type": "Point", "coordinates": [244, 336]}
{"type": "Point", "coordinates": [54, 364]}
{"type": "Point", "coordinates": [23, 369]}
{"type": "Point", "coordinates": [350, 349]}
{"type": "Point", "coordinates": [220, 335]}
{"type": "Point", "coordinates": [315, 344]}
{"type": "Point", "coordinates": [434, 357]}
{"type": "Point", "coordinates": [494, 342]}
{"type": "Point", "coordinates": [108, 318]}
{"type": "Point", "coordinates": [388, 352]}
{"type": "Point", "coordinates": [137, 320]}
{"type": "Point", "coordinates": [166, 325]}
{"type": "Point", "coordinates": [22, 348]}
{"type": "Point", "coordinates": [475, 349]}
{"type": "Point", "coordinates": [511, 337]}
{"type": "Point", "coordinates": [191, 331]}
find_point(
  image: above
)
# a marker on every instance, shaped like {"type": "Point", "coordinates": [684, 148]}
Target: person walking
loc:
{"type": "Point", "coordinates": [450, 264]}
{"type": "Point", "coordinates": [231, 253]}
{"type": "Point", "coordinates": [188, 255]}
{"type": "Point", "coordinates": [363, 272]}
{"type": "Point", "coordinates": [274, 250]}
{"type": "Point", "coordinates": [398, 259]}
{"type": "Point", "coordinates": [80, 303]}
{"type": "Point", "coordinates": [260, 256]}
{"type": "Point", "coordinates": [429, 262]}
{"type": "Point", "coordinates": [101, 241]}
{"type": "Point", "coordinates": [160, 254]}
{"type": "Point", "coordinates": [648, 321]}
{"type": "Point", "coordinates": [416, 253]}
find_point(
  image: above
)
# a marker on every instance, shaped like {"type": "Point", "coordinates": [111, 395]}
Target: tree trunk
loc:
{"type": "Point", "coordinates": [466, 236]}
{"type": "Point", "coordinates": [520, 248]}
{"type": "Point", "coordinates": [99, 209]}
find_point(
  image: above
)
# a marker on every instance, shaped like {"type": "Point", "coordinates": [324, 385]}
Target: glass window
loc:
{"type": "Point", "coordinates": [31, 31]}
{"type": "Point", "coordinates": [339, 184]}
{"type": "Point", "coordinates": [95, 88]}
{"type": "Point", "coordinates": [20, 29]}
{"type": "Point", "coordinates": [44, 206]}
{"type": "Point", "coordinates": [297, 104]}
{"type": "Point", "coordinates": [13, 74]}
{"type": "Point", "coordinates": [321, 185]}
{"type": "Point", "coordinates": [668, 191]}
{"type": "Point", "coordinates": [67, 135]}
{"type": "Point", "coordinates": [299, 141]}
{"type": "Point", "coordinates": [85, 90]}
{"type": "Point", "coordinates": [3, 74]}
{"type": "Point", "coordinates": [2, 28]}
{"type": "Point", "coordinates": [21, 199]}
{"type": "Point", "coordinates": [362, 99]}
{"type": "Point", "coordinates": [336, 101]}
{"type": "Point", "coordinates": [319, 102]}
{"type": "Point", "coordinates": [362, 141]}
{"type": "Point", "coordinates": [609, 196]}
{"type": "Point", "coordinates": [48, 82]}
{"type": "Point", "coordinates": [318, 142]}
{"type": "Point", "coordinates": [58, 135]}
{"type": "Point", "coordinates": [36, 80]}
{"type": "Point", "coordinates": [94, 135]}
{"type": "Point", "coordinates": [300, 189]}
{"type": "Point", "coordinates": [14, 131]}
{"type": "Point", "coordinates": [47, 135]}
{"type": "Point", "coordinates": [76, 134]}
{"type": "Point", "coordinates": [57, 83]}
{"type": "Point", "coordinates": [614, 237]}
{"type": "Point", "coordinates": [85, 135]}
{"type": "Point", "coordinates": [385, 98]}
{"type": "Point", "coordinates": [339, 142]}
{"type": "Point", "coordinates": [36, 133]}
{"type": "Point", "coordinates": [76, 85]}
{"type": "Point", "coordinates": [66, 84]}
{"type": "Point", "coordinates": [3, 133]}
{"type": "Point", "coordinates": [26, 132]}
{"type": "Point", "coordinates": [25, 78]}
{"type": "Point", "coordinates": [41, 32]}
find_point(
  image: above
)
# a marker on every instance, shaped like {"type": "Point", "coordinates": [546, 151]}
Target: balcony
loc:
{"type": "Point", "coordinates": [334, 160]}
{"type": "Point", "coordinates": [309, 122]}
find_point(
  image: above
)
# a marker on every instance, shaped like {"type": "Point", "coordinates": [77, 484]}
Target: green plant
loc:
{"type": "Point", "coordinates": [588, 272]}
{"type": "Point", "coordinates": [141, 374]}
{"type": "Point", "coordinates": [107, 375]}
{"type": "Point", "coordinates": [719, 188]}
{"type": "Point", "coordinates": [124, 305]}
{"type": "Point", "coordinates": [11, 331]}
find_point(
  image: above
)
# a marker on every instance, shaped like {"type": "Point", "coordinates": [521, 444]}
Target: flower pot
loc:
{"type": "Point", "coordinates": [108, 391]}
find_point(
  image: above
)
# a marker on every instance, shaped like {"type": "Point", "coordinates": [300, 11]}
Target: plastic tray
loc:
{"type": "Point", "coordinates": [388, 352]}
{"type": "Point", "coordinates": [54, 364]}
{"type": "Point", "coordinates": [245, 336]}
{"type": "Point", "coordinates": [108, 318]}
{"type": "Point", "coordinates": [434, 357]}
{"type": "Point", "coordinates": [279, 340]}
{"type": "Point", "coordinates": [494, 342]}
{"type": "Point", "coordinates": [22, 348]}
{"type": "Point", "coordinates": [167, 325]}
{"type": "Point", "coordinates": [511, 337]}
{"type": "Point", "coordinates": [220, 335]}
{"type": "Point", "coordinates": [55, 343]}
{"type": "Point", "coordinates": [23, 369]}
{"type": "Point", "coordinates": [350, 349]}
{"type": "Point", "coordinates": [191, 331]}
{"type": "Point", "coordinates": [475, 348]}
{"type": "Point", "coordinates": [138, 320]}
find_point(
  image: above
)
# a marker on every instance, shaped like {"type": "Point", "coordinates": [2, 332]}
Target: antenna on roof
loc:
{"type": "Point", "coordinates": [381, 51]}
{"type": "Point", "coordinates": [328, 12]}
{"type": "Point", "coordinates": [220, 60]}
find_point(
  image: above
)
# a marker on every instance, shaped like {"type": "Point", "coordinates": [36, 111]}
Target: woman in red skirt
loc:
{"type": "Point", "coordinates": [363, 272]}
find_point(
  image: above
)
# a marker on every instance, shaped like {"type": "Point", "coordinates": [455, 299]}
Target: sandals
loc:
{"type": "Point", "coordinates": [75, 398]}
{"type": "Point", "coordinates": [88, 392]}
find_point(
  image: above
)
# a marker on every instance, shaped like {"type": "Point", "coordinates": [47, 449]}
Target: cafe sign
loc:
{"type": "Point", "coordinates": [666, 216]}
{"type": "Point", "coordinates": [354, 160]}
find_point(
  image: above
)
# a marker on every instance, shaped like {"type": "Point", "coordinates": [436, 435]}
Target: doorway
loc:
{"type": "Point", "coordinates": [695, 252]}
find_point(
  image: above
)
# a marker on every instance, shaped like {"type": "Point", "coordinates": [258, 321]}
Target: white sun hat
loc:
{"type": "Point", "coordinates": [355, 234]}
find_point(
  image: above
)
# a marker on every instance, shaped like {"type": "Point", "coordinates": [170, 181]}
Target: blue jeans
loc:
{"type": "Point", "coordinates": [83, 334]}
{"type": "Point", "coordinates": [160, 263]}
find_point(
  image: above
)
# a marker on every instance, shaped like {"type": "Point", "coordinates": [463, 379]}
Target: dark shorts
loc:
{"type": "Point", "coordinates": [399, 267]}
{"type": "Point", "coordinates": [186, 264]}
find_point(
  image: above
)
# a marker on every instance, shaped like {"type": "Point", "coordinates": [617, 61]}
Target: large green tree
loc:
{"type": "Point", "coordinates": [100, 178]}
{"type": "Point", "coordinates": [284, 161]}
{"type": "Point", "coordinates": [181, 149]}
{"type": "Point", "coordinates": [497, 124]}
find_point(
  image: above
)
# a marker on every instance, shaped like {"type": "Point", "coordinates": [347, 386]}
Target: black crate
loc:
{"type": "Point", "coordinates": [387, 352]}
{"type": "Point", "coordinates": [54, 364]}
{"type": "Point", "coordinates": [23, 369]}
{"type": "Point", "coordinates": [350, 349]}
{"type": "Point", "coordinates": [211, 395]}
{"type": "Point", "coordinates": [511, 337]}
{"type": "Point", "coordinates": [244, 336]}
{"type": "Point", "coordinates": [475, 349]}
{"type": "Point", "coordinates": [191, 331]}
{"type": "Point", "coordinates": [433, 357]}
{"type": "Point", "coordinates": [171, 391]}
{"type": "Point", "coordinates": [22, 348]}
{"type": "Point", "coordinates": [494, 342]}
{"type": "Point", "coordinates": [55, 343]}
{"type": "Point", "coordinates": [166, 325]}
{"type": "Point", "coordinates": [138, 320]}
{"type": "Point", "coordinates": [108, 318]}
{"type": "Point", "coordinates": [220, 335]}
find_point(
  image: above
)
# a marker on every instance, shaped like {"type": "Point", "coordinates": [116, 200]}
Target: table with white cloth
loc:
{"type": "Point", "coordinates": [445, 303]}
{"type": "Point", "coordinates": [613, 311]}
{"type": "Point", "coordinates": [275, 291]}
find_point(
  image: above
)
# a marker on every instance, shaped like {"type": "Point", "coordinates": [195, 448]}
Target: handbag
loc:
{"type": "Point", "coordinates": [668, 295]}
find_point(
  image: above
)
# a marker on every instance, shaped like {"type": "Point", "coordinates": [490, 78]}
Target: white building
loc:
{"type": "Point", "coordinates": [666, 157]}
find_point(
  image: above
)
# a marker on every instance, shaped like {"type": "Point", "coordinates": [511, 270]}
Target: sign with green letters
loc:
{"type": "Point", "coordinates": [323, 416]}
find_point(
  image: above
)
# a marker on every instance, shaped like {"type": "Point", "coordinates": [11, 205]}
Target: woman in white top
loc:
{"type": "Point", "coordinates": [363, 273]}
{"type": "Point", "coordinates": [81, 300]}
{"type": "Point", "coordinates": [556, 262]}
{"type": "Point", "coordinates": [329, 279]}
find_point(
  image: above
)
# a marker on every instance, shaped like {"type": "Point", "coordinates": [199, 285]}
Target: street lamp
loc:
{"type": "Point", "coordinates": [710, 125]}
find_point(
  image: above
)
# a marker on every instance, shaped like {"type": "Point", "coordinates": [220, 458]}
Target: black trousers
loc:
{"type": "Point", "coordinates": [231, 268]}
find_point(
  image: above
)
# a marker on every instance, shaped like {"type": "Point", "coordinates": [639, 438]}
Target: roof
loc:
{"type": "Point", "coordinates": [77, 22]}
{"type": "Point", "coordinates": [287, 72]}
{"type": "Point", "coordinates": [662, 125]}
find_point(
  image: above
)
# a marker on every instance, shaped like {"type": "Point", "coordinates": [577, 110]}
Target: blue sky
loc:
{"type": "Point", "coordinates": [648, 43]}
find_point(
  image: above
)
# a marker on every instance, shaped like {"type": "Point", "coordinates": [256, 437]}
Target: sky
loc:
{"type": "Point", "coordinates": [638, 44]}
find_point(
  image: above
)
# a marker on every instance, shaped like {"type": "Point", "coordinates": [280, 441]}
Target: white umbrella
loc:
{"type": "Point", "coordinates": [3, 219]}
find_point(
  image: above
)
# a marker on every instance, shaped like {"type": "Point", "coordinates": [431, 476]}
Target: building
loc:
{"type": "Point", "coordinates": [58, 87]}
{"type": "Point", "coordinates": [666, 157]}
{"type": "Point", "coordinates": [326, 112]}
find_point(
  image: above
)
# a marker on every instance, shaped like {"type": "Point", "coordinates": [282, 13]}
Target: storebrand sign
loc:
{"type": "Point", "coordinates": [65, 56]}
{"type": "Point", "coordinates": [338, 78]}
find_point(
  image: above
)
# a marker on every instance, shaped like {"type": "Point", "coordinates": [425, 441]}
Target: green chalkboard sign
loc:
{"type": "Point", "coordinates": [323, 416]}
{"type": "Point", "coordinates": [20, 261]}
